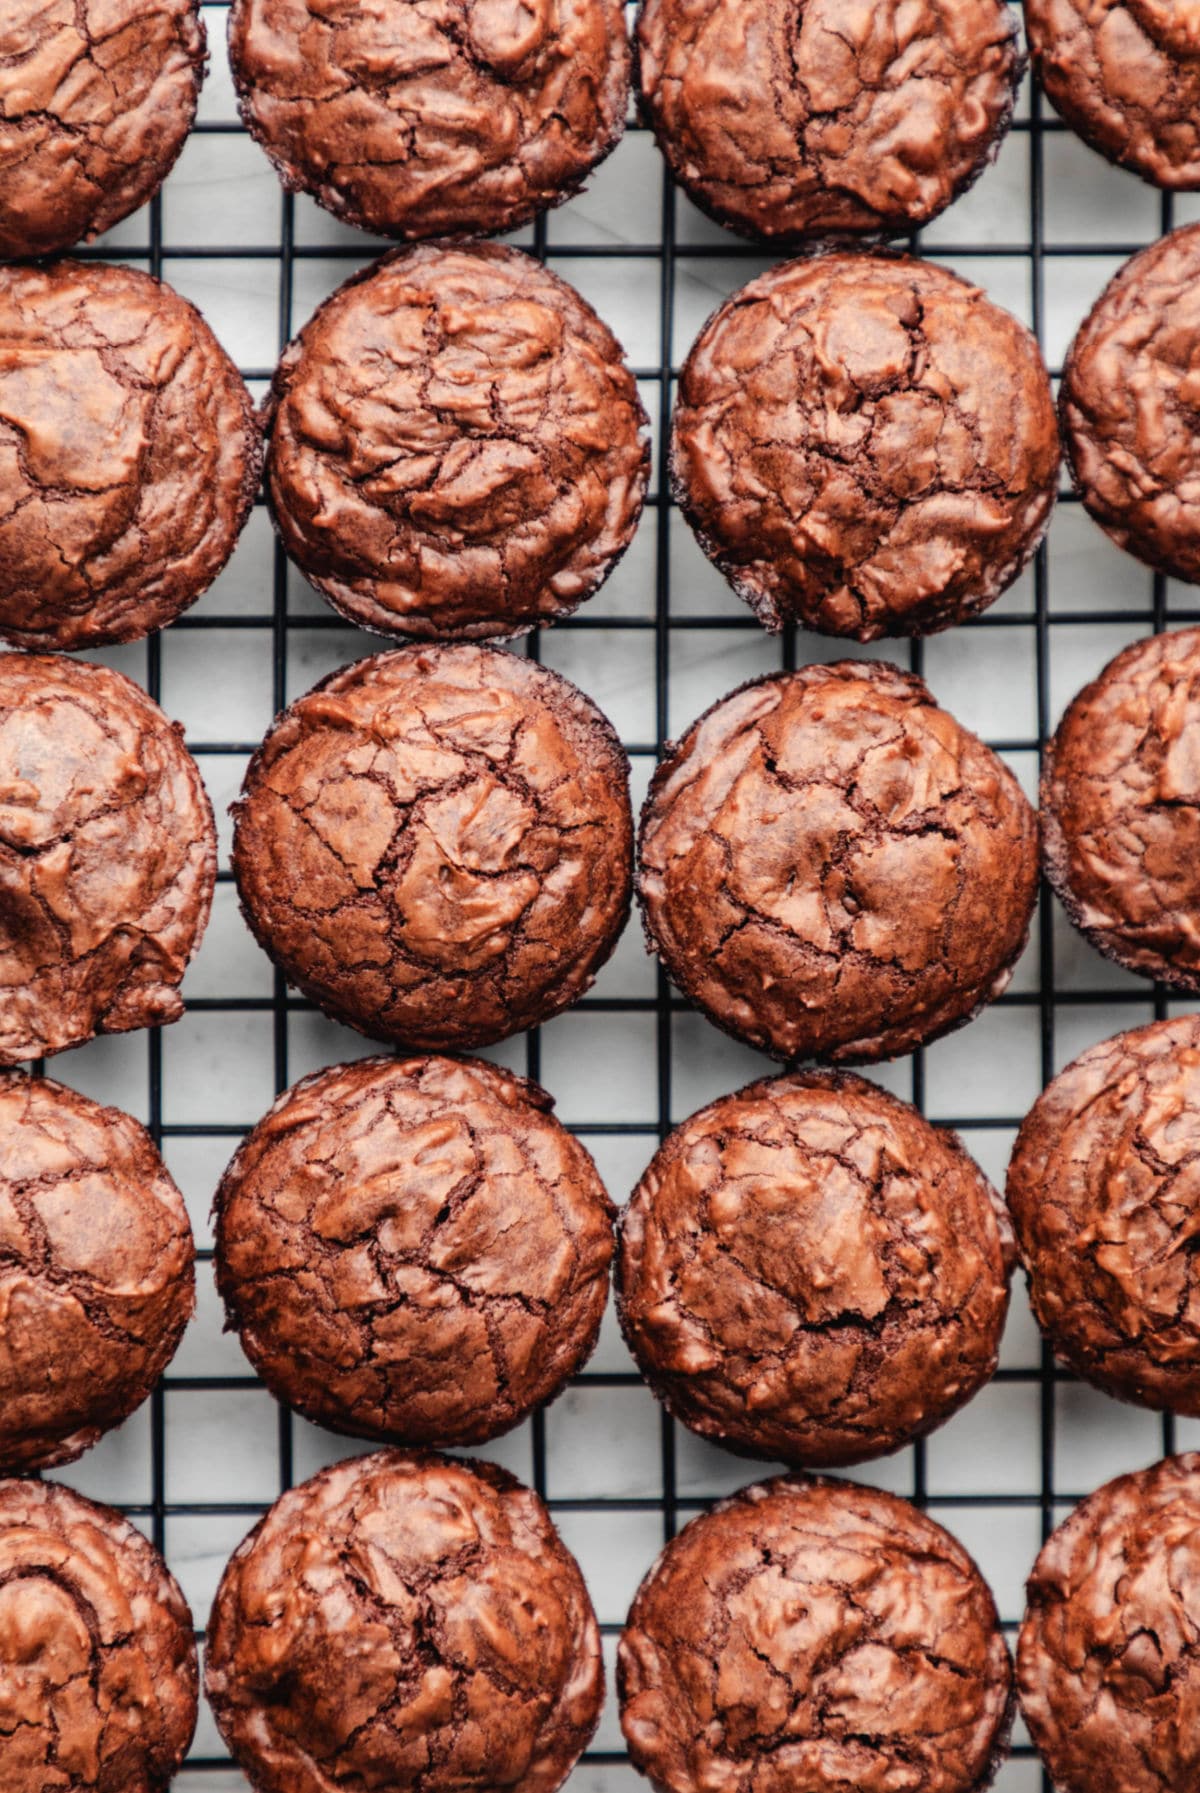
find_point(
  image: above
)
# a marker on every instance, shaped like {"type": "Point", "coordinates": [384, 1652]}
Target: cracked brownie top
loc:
{"type": "Point", "coordinates": [832, 866]}
{"type": "Point", "coordinates": [98, 1680]}
{"type": "Point", "coordinates": [96, 1279]}
{"type": "Point", "coordinates": [1121, 809]}
{"type": "Point", "coordinates": [814, 1635]}
{"type": "Point", "coordinates": [819, 118]}
{"type": "Point", "coordinates": [1104, 1188]}
{"type": "Point", "coordinates": [458, 449]}
{"type": "Point", "coordinates": [96, 99]}
{"type": "Point", "coordinates": [129, 454]}
{"type": "Point", "coordinates": [428, 118]}
{"type": "Point", "coordinates": [408, 1622]}
{"type": "Point", "coordinates": [436, 844]}
{"type": "Point", "coordinates": [414, 1250]}
{"type": "Point", "coordinates": [809, 1272]}
{"type": "Point", "coordinates": [865, 445]}
{"type": "Point", "coordinates": [1108, 1664]}
{"type": "Point", "coordinates": [108, 855]}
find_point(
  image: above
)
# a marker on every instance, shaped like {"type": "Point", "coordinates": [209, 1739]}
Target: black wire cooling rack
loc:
{"type": "Point", "coordinates": [1039, 995]}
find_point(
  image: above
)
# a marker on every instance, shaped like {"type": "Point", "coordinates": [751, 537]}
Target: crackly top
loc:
{"type": "Point", "coordinates": [816, 118]}
{"type": "Point", "coordinates": [814, 1635]}
{"type": "Point", "coordinates": [426, 118]}
{"type": "Point", "coordinates": [1108, 1662]}
{"type": "Point", "coordinates": [866, 445]}
{"type": "Point", "coordinates": [1104, 1188]}
{"type": "Point", "coordinates": [405, 1621]}
{"type": "Point", "coordinates": [108, 855]}
{"type": "Point", "coordinates": [98, 1680]}
{"type": "Point", "coordinates": [832, 866]}
{"type": "Point", "coordinates": [96, 99]}
{"type": "Point", "coordinates": [1125, 74]}
{"type": "Point", "coordinates": [810, 1272]}
{"type": "Point", "coordinates": [1121, 809]}
{"type": "Point", "coordinates": [414, 1249]}
{"type": "Point", "coordinates": [129, 454]}
{"type": "Point", "coordinates": [436, 844]}
{"type": "Point", "coordinates": [96, 1280]}
{"type": "Point", "coordinates": [458, 448]}
{"type": "Point", "coordinates": [1128, 403]}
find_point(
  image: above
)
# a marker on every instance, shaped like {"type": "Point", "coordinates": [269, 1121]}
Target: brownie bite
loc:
{"type": "Point", "coordinates": [1107, 1666]}
{"type": "Point", "coordinates": [833, 867]}
{"type": "Point", "coordinates": [436, 845]}
{"type": "Point", "coordinates": [108, 856]}
{"type": "Point", "coordinates": [1128, 406]}
{"type": "Point", "coordinates": [810, 1272]}
{"type": "Point", "coordinates": [1125, 74]}
{"type": "Point", "coordinates": [815, 119]}
{"type": "Point", "coordinates": [96, 99]}
{"type": "Point", "coordinates": [490, 479]}
{"type": "Point", "coordinates": [1105, 1198]}
{"type": "Point", "coordinates": [405, 1621]}
{"type": "Point", "coordinates": [1119, 816]}
{"type": "Point", "coordinates": [811, 1634]}
{"type": "Point", "coordinates": [98, 1678]}
{"type": "Point", "coordinates": [865, 445]}
{"type": "Point", "coordinates": [414, 1250]}
{"type": "Point", "coordinates": [129, 455]}
{"type": "Point", "coordinates": [425, 121]}
{"type": "Point", "coordinates": [96, 1277]}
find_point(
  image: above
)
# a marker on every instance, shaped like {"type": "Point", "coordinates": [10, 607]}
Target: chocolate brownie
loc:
{"type": "Point", "coordinates": [129, 455]}
{"type": "Point", "coordinates": [425, 121]}
{"type": "Point", "coordinates": [1107, 1665]}
{"type": "Point", "coordinates": [812, 1634]}
{"type": "Point", "coordinates": [1128, 406]}
{"type": "Point", "coordinates": [108, 856]}
{"type": "Point", "coordinates": [95, 103]}
{"type": "Point", "coordinates": [833, 867]}
{"type": "Point", "coordinates": [1105, 1199]}
{"type": "Point", "coordinates": [865, 445]}
{"type": "Point", "coordinates": [405, 1621]}
{"type": "Point", "coordinates": [809, 1272]}
{"type": "Point", "coordinates": [491, 480]}
{"type": "Point", "coordinates": [1119, 817]}
{"type": "Point", "coordinates": [815, 119]}
{"type": "Point", "coordinates": [414, 1251]}
{"type": "Point", "coordinates": [1125, 74]}
{"type": "Point", "coordinates": [436, 845]}
{"type": "Point", "coordinates": [96, 1278]}
{"type": "Point", "coordinates": [98, 1681]}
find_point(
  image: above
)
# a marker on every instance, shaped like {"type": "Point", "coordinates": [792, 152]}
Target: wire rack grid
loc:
{"type": "Point", "coordinates": [1043, 230]}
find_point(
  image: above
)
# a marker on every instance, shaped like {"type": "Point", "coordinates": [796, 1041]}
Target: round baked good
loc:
{"type": "Point", "coordinates": [436, 845]}
{"type": "Point", "coordinates": [405, 1621]}
{"type": "Point", "coordinates": [96, 1271]}
{"type": "Point", "coordinates": [814, 1634]}
{"type": "Point", "coordinates": [809, 1272]}
{"type": "Point", "coordinates": [814, 119]}
{"type": "Point", "coordinates": [416, 121]}
{"type": "Point", "coordinates": [98, 1680]}
{"type": "Point", "coordinates": [414, 1250]}
{"type": "Point", "coordinates": [1125, 74]}
{"type": "Point", "coordinates": [129, 454]}
{"type": "Point", "coordinates": [95, 105]}
{"type": "Point", "coordinates": [108, 856]}
{"type": "Point", "coordinates": [1128, 405]}
{"type": "Point", "coordinates": [1106, 1662]}
{"type": "Point", "coordinates": [1119, 817]}
{"type": "Point", "coordinates": [865, 445]}
{"type": "Point", "coordinates": [1104, 1189]}
{"type": "Point", "coordinates": [491, 480]}
{"type": "Point", "coordinates": [832, 867]}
